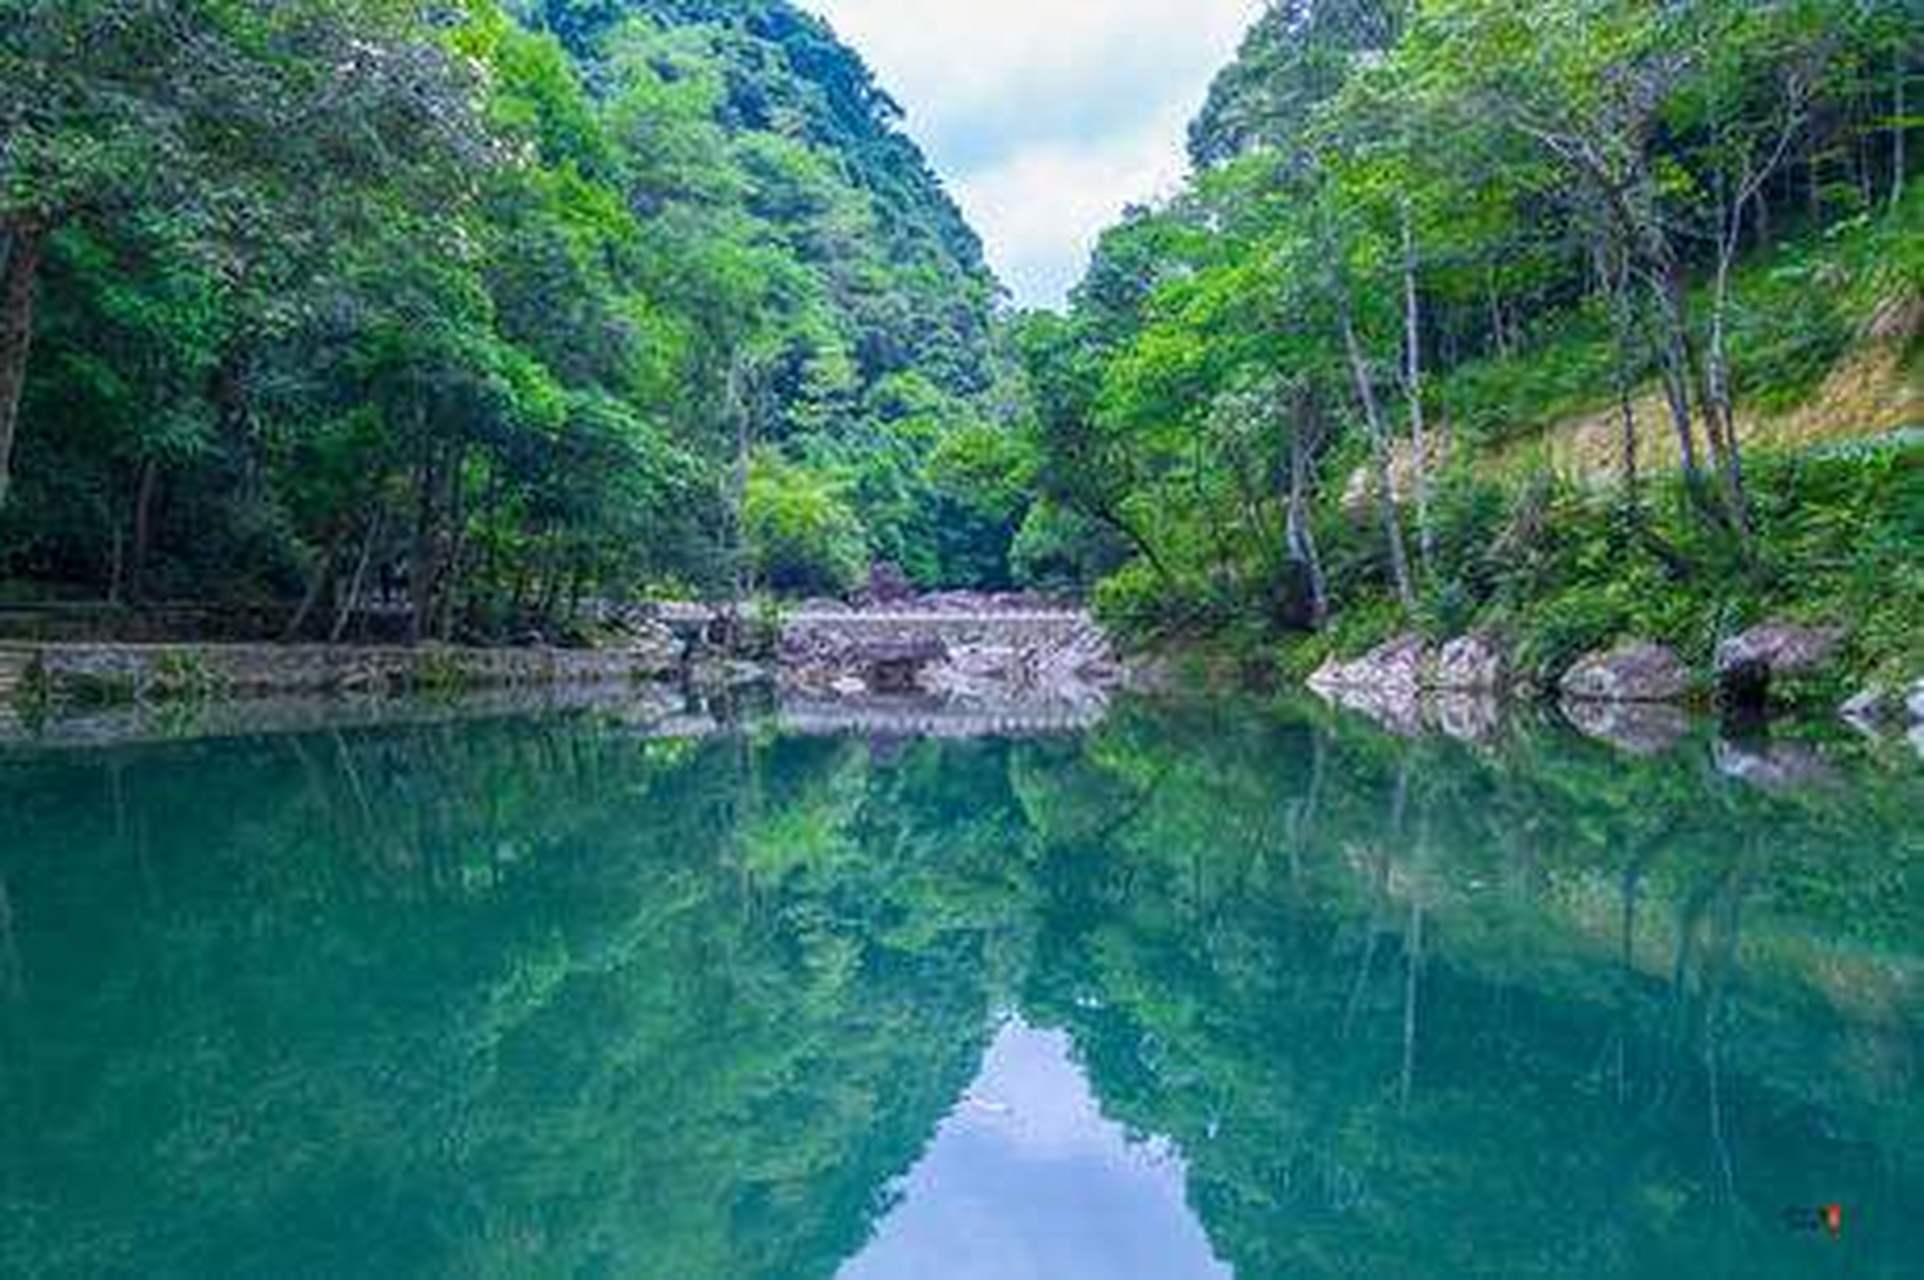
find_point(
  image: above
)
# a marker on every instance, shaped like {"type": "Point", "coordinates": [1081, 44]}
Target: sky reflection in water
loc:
{"type": "Point", "coordinates": [1027, 1181]}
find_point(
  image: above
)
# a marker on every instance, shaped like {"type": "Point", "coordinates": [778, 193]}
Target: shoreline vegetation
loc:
{"type": "Point", "coordinates": [1570, 349]}
{"type": "Point", "coordinates": [1557, 330]}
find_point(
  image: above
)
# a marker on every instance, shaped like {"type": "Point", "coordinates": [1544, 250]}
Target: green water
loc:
{"type": "Point", "coordinates": [1222, 991]}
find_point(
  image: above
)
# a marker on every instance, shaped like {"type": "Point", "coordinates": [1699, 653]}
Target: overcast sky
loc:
{"type": "Point", "coordinates": [1046, 117]}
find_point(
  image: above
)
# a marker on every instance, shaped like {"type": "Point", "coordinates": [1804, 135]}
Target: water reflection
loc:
{"type": "Point", "coordinates": [550, 997]}
{"type": "Point", "coordinates": [1027, 1181]}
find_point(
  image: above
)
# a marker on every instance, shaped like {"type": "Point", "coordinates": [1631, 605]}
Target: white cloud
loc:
{"type": "Point", "coordinates": [1046, 116]}
{"type": "Point", "coordinates": [1041, 209]}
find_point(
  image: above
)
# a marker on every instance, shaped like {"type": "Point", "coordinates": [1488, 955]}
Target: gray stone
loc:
{"type": "Point", "coordinates": [1395, 668]}
{"type": "Point", "coordinates": [977, 656]}
{"type": "Point", "coordinates": [888, 585]}
{"type": "Point", "coordinates": [1868, 708]}
{"type": "Point", "coordinates": [1748, 663]}
{"type": "Point", "coordinates": [896, 666]}
{"type": "Point", "coordinates": [1637, 671]}
{"type": "Point", "coordinates": [976, 671]}
{"type": "Point", "coordinates": [1473, 663]}
{"type": "Point", "coordinates": [118, 673]}
{"type": "Point", "coordinates": [1914, 702]}
{"type": "Point", "coordinates": [1781, 648]}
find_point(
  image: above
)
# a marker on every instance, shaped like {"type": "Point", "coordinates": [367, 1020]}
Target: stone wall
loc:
{"type": "Point", "coordinates": [111, 673]}
{"type": "Point", "coordinates": [1040, 656]}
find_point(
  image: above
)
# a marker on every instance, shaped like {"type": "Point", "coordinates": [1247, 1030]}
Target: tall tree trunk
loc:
{"type": "Point", "coordinates": [738, 485]}
{"type": "Point", "coordinates": [1299, 534]}
{"type": "Point", "coordinates": [1899, 128]}
{"type": "Point", "coordinates": [1623, 316]}
{"type": "Point", "coordinates": [1719, 417]}
{"type": "Point", "coordinates": [1496, 313]}
{"type": "Point", "coordinates": [143, 529]}
{"type": "Point", "coordinates": [1121, 524]}
{"type": "Point", "coordinates": [453, 568]}
{"type": "Point", "coordinates": [26, 250]}
{"type": "Point", "coordinates": [351, 602]}
{"type": "Point", "coordinates": [323, 574]}
{"type": "Point", "coordinates": [1673, 355]}
{"type": "Point", "coordinates": [1864, 163]}
{"type": "Point", "coordinates": [577, 572]}
{"type": "Point", "coordinates": [422, 568]}
{"type": "Point", "coordinates": [550, 605]}
{"type": "Point", "coordinates": [1379, 456]}
{"type": "Point", "coordinates": [1413, 378]}
{"type": "Point", "coordinates": [116, 557]}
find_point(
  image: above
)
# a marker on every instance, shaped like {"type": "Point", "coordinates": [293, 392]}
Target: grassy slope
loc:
{"type": "Point", "coordinates": [1828, 355]}
{"type": "Point", "coordinates": [1825, 344]}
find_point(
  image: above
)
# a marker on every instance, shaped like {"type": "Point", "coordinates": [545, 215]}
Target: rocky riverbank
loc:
{"type": "Point", "coordinates": [1636, 694]}
{"type": "Point", "coordinates": [121, 673]}
{"type": "Point", "coordinates": [966, 657]}
{"type": "Point", "coordinates": [964, 652]}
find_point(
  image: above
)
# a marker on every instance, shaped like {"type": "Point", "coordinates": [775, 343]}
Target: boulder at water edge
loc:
{"type": "Point", "coordinates": [1394, 667]}
{"type": "Point", "coordinates": [1868, 707]}
{"type": "Point", "coordinates": [1748, 662]}
{"type": "Point", "coordinates": [1637, 671]}
{"type": "Point", "coordinates": [1473, 663]}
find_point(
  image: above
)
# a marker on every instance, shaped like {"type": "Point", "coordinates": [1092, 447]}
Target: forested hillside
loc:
{"type": "Point", "coordinates": [487, 307]}
{"type": "Point", "coordinates": [1318, 393]}
{"type": "Point", "coordinates": [1558, 317]}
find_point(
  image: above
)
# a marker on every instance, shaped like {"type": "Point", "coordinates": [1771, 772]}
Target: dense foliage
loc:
{"type": "Point", "coordinates": [483, 309]}
{"type": "Point", "coordinates": [1304, 394]}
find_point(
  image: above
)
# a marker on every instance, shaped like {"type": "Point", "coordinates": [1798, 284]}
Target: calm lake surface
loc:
{"type": "Point", "coordinates": [1218, 991]}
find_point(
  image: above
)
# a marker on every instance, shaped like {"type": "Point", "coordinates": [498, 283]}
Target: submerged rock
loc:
{"type": "Point", "coordinates": [1637, 671]}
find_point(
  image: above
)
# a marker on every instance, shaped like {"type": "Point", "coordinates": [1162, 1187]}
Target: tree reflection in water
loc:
{"type": "Point", "coordinates": [542, 997]}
